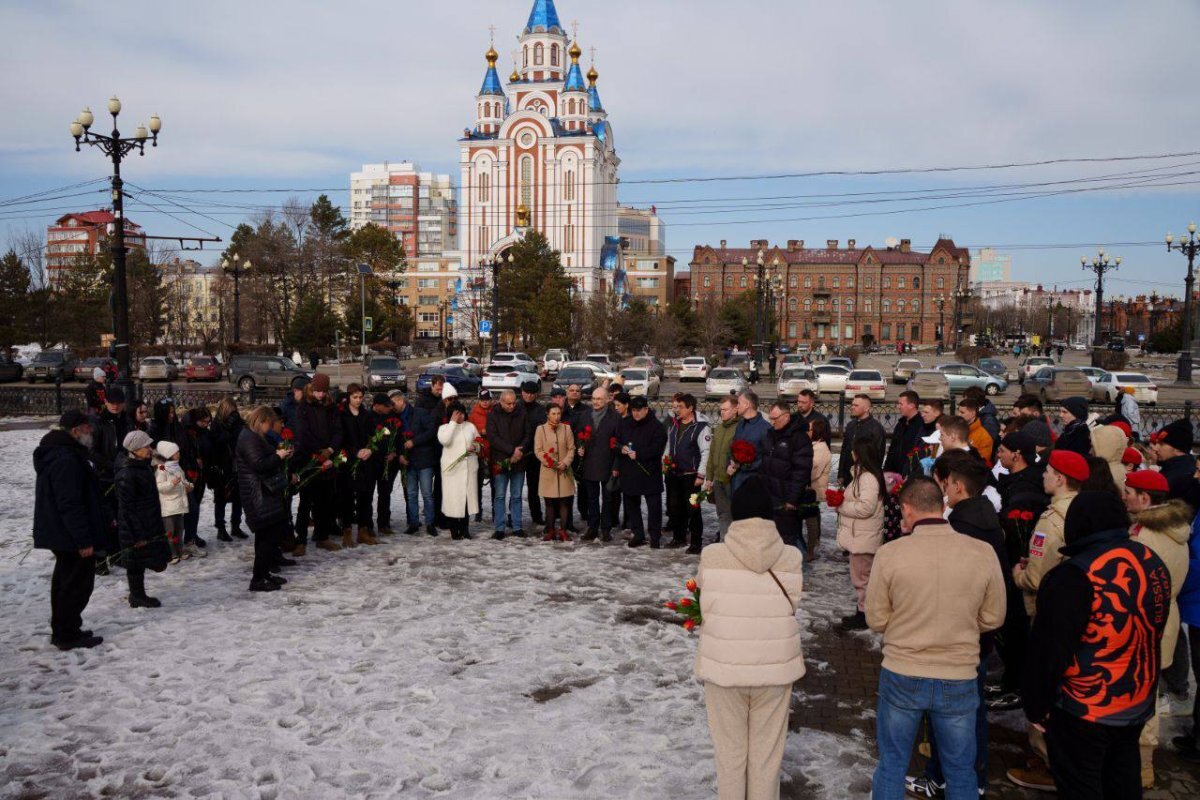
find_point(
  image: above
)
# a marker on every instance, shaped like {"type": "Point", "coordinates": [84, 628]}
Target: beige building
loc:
{"type": "Point", "coordinates": [418, 207]}
{"type": "Point", "coordinates": [650, 279]}
{"type": "Point", "coordinates": [427, 290]}
{"type": "Point", "coordinates": [194, 294]}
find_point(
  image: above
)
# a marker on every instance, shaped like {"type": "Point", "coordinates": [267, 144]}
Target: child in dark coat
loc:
{"type": "Point", "coordinates": [139, 517]}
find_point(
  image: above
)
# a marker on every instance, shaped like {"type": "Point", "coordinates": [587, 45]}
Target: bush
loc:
{"type": "Point", "coordinates": [1110, 360]}
{"type": "Point", "coordinates": [968, 354]}
{"type": "Point", "coordinates": [853, 353]}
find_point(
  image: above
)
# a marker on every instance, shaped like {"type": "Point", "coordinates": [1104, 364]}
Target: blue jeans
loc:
{"type": "Point", "coordinates": [951, 707]}
{"type": "Point", "coordinates": [422, 479]}
{"type": "Point", "coordinates": [933, 769]}
{"type": "Point", "coordinates": [507, 486]}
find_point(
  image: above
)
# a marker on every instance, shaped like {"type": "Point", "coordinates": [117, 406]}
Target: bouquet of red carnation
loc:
{"type": "Point", "coordinates": [475, 446]}
{"type": "Point", "coordinates": [192, 475]}
{"type": "Point", "coordinates": [742, 453]}
{"type": "Point", "coordinates": [310, 470]}
{"type": "Point", "coordinates": [834, 497]}
{"type": "Point", "coordinates": [585, 435]}
{"type": "Point", "coordinates": [549, 460]}
{"type": "Point", "coordinates": [287, 435]}
{"type": "Point", "coordinates": [688, 607]}
{"type": "Point", "coordinates": [1022, 522]}
{"type": "Point", "coordinates": [669, 465]}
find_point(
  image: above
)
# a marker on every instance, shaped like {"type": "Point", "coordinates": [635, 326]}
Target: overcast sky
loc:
{"type": "Point", "coordinates": [299, 94]}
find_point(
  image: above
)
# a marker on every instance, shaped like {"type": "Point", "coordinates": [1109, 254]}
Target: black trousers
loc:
{"type": "Point", "coordinates": [383, 486]}
{"type": "Point", "coordinates": [480, 478]}
{"type": "Point", "coordinates": [682, 518]}
{"type": "Point", "coordinates": [533, 473]}
{"type": "Point", "coordinates": [266, 550]}
{"type": "Point", "coordinates": [71, 587]}
{"type": "Point", "coordinates": [633, 514]}
{"type": "Point", "coordinates": [791, 528]}
{"type": "Point", "coordinates": [321, 494]}
{"type": "Point", "coordinates": [355, 505]}
{"type": "Point", "coordinates": [1012, 643]}
{"type": "Point", "coordinates": [137, 581]}
{"type": "Point", "coordinates": [226, 493]}
{"type": "Point", "coordinates": [598, 506]}
{"type": "Point", "coordinates": [1090, 761]}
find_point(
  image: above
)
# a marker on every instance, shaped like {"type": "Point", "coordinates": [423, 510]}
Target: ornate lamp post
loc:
{"type": "Point", "coordinates": [1188, 247]}
{"type": "Point", "coordinates": [940, 300]}
{"type": "Point", "coordinates": [116, 149]}
{"type": "Point", "coordinates": [235, 271]}
{"type": "Point", "coordinates": [1100, 264]}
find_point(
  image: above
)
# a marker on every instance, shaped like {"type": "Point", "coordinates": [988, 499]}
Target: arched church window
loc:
{"type": "Point", "coordinates": [554, 55]}
{"type": "Point", "coordinates": [527, 181]}
{"type": "Point", "coordinates": [525, 56]}
{"type": "Point", "coordinates": [539, 53]}
{"type": "Point", "coordinates": [569, 185]}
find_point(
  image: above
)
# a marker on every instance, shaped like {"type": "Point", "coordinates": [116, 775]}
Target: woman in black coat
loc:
{"type": "Point", "coordinates": [262, 486]}
{"type": "Point", "coordinates": [359, 475]}
{"type": "Point", "coordinates": [318, 438]}
{"type": "Point", "coordinates": [226, 426]}
{"type": "Point", "coordinates": [140, 523]}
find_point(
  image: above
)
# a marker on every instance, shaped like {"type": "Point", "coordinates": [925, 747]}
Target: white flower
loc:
{"type": "Point", "coordinates": [694, 499]}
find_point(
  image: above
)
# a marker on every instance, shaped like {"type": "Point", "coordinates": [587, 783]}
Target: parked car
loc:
{"type": "Point", "coordinates": [722, 381]}
{"type": "Point", "coordinates": [84, 369]}
{"type": "Point", "coordinates": [201, 368]}
{"type": "Point", "coordinates": [841, 361]}
{"type": "Point", "coordinates": [1093, 373]}
{"type": "Point", "coordinates": [693, 368]}
{"type": "Point", "coordinates": [994, 366]}
{"type": "Point", "coordinates": [930, 383]}
{"type": "Point", "coordinates": [498, 377]}
{"type": "Point", "coordinates": [463, 382]}
{"type": "Point", "coordinates": [740, 361]}
{"type": "Point", "coordinates": [553, 361]}
{"type": "Point", "coordinates": [599, 371]}
{"type": "Point", "coordinates": [904, 369]}
{"type": "Point", "coordinates": [512, 358]}
{"type": "Point", "coordinates": [647, 362]}
{"type": "Point", "coordinates": [1112, 384]}
{"type": "Point", "coordinates": [639, 380]}
{"type": "Point", "coordinates": [1058, 383]}
{"type": "Point", "coordinates": [1032, 364]}
{"type": "Point", "coordinates": [469, 363]}
{"type": "Point", "coordinates": [794, 380]}
{"type": "Point", "coordinates": [795, 360]}
{"type": "Point", "coordinates": [964, 376]}
{"type": "Point", "coordinates": [51, 366]}
{"type": "Point", "coordinates": [831, 377]}
{"type": "Point", "coordinates": [386, 372]}
{"type": "Point", "coordinates": [249, 371]}
{"type": "Point", "coordinates": [586, 376]}
{"type": "Point", "coordinates": [603, 359]}
{"type": "Point", "coordinates": [157, 368]}
{"type": "Point", "coordinates": [866, 381]}
{"type": "Point", "coordinates": [10, 370]}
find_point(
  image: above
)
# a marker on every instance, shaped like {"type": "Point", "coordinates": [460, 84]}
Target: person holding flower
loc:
{"type": "Point", "coordinates": [554, 447]}
{"type": "Point", "coordinates": [479, 417]}
{"type": "Point", "coordinates": [461, 443]}
{"type": "Point", "coordinates": [641, 440]}
{"type": "Point", "coordinates": [173, 487]}
{"type": "Point", "coordinates": [599, 507]}
{"type": "Point", "coordinates": [262, 486]}
{"type": "Point", "coordinates": [358, 479]}
{"type": "Point", "coordinates": [318, 437]}
{"type": "Point", "coordinates": [748, 669]}
{"type": "Point", "coordinates": [860, 522]}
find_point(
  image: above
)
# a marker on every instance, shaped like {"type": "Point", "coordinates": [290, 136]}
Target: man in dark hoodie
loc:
{"type": "Point", "coordinates": [1173, 449]}
{"type": "Point", "coordinates": [1092, 675]}
{"type": "Point", "coordinates": [69, 521]}
{"type": "Point", "coordinates": [1075, 435]}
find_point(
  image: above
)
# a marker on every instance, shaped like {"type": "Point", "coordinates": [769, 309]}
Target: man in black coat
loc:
{"type": "Point", "coordinates": [787, 472]}
{"type": "Point", "coordinates": [69, 521]}
{"type": "Point", "coordinates": [535, 412]}
{"type": "Point", "coordinates": [511, 442]}
{"type": "Point", "coordinates": [108, 431]}
{"type": "Point", "coordinates": [906, 436]}
{"type": "Point", "coordinates": [641, 440]}
{"type": "Point", "coordinates": [861, 424]}
{"type": "Point", "coordinates": [806, 407]}
{"type": "Point", "coordinates": [1075, 435]}
{"type": "Point", "coordinates": [1173, 449]}
{"type": "Point", "coordinates": [592, 451]}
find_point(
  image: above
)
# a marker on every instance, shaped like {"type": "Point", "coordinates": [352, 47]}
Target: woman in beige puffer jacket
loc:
{"type": "Point", "coordinates": [749, 654]}
{"type": "Point", "coordinates": [818, 434]}
{"type": "Point", "coordinates": [860, 523]}
{"type": "Point", "coordinates": [1108, 442]}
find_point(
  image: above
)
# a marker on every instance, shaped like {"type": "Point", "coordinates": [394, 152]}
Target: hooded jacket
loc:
{"type": "Point", "coordinates": [108, 432]}
{"type": "Point", "coordinates": [172, 496]}
{"type": "Point", "coordinates": [648, 439]}
{"type": "Point", "coordinates": [317, 429]}
{"type": "Point", "coordinates": [68, 511]}
{"type": "Point", "coordinates": [1076, 436]}
{"type": "Point", "coordinates": [1044, 546]}
{"type": "Point", "coordinates": [255, 459]}
{"type": "Point", "coordinates": [787, 467]}
{"type": "Point", "coordinates": [1165, 529]}
{"type": "Point", "coordinates": [1180, 473]}
{"type": "Point", "coordinates": [139, 515]}
{"type": "Point", "coordinates": [857, 429]}
{"type": "Point", "coordinates": [750, 636]}
{"type": "Point", "coordinates": [1109, 444]}
{"type": "Point", "coordinates": [860, 516]}
{"type": "Point", "coordinates": [1021, 491]}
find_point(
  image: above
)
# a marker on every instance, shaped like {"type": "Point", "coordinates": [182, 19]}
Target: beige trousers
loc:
{"type": "Point", "coordinates": [748, 728]}
{"type": "Point", "coordinates": [860, 574]}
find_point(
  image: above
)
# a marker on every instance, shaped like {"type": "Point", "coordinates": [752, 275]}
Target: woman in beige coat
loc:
{"type": "Point", "coordinates": [749, 654]}
{"type": "Point", "coordinates": [554, 446]}
{"type": "Point", "coordinates": [860, 523]}
{"type": "Point", "coordinates": [818, 432]}
{"type": "Point", "coordinates": [1108, 442]}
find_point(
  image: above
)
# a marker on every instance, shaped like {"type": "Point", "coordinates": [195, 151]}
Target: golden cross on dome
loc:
{"type": "Point", "coordinates": [491, 34]}
{"type": "Point", "coordinates": [592, 50]}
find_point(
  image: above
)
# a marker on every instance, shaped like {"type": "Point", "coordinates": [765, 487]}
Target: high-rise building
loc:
{"type": "Point", "coordinates": [641, 231]}
{"type": "Point", "coordinates": [418, 207]}
{"type": "Point", "coordinates": [81, 234]}
{"type": "Point", "coordinates": [988, 266]}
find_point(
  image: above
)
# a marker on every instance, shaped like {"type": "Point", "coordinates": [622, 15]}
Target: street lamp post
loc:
{"type": "Point", "coordinates": [1100, 264]}
{"type": "Point", "coordinates": [235, 271]}
{"type": "Point", "coordinates": [961, 295]}
{"type": "Point", "coordinates": [1188, 247]}
{"type": "Point", "coordinates": [117, 148]}
{"type": "Point", "coordinates": [941, 306]}
{"type": "Point", "coordinates": [496, 302]}
{"type": "Point", "coordinates": [363, 271]}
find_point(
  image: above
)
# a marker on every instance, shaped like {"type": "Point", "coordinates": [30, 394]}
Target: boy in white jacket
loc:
{"type": "Point", "coordinates": [173, 488]}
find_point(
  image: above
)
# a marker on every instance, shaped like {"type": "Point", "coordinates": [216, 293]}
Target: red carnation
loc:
{"type": "Point", "coordinates": [192, 474]}
{"type": "Point", "coordinates": [834, 497]}
{"type": "Point", "coordinates": [287, 435]}
{"type": "Point", "coordinates": [612, 443]}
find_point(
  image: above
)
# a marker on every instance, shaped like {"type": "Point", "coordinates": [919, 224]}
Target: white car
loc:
{"type": "Point", "coordinates": [1107, 388]}
{"type": "Point", "coordinates": [641, 381]}
{"type": "Point", "coordinates": [603, 359]}
{"type": "Point", "coordinates": [552, 362]}
{"type": "Point", "coordinates": [693, 368]}
{"type": "Point", "coordinates": [469, 363]}
{"type": "Point", "coordinates": [794, 380]}
{"type": "Point", "coordinates": [722, 381]}
{"type": "Point", "coordinates": [1093, 373]}
{"type": "Point", "coordinates": [1031, 365]}
{"type": "Point", "coordinates": [509, 376]}
{"type": "Point", "coordinates": [599, 370]}
{"type": "Point", "coordinates": [831, 378]}
{"type": "Point", "coordinates": [510, 359]}
{"type": "Point", "coordinates": [866, 381]}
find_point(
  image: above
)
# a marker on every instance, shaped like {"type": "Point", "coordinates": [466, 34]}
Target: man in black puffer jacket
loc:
{"type": "Point", "coordinates": [641, 440]}
{"type": "Point", "coordinates": [787, 472]}
{"type": "Point", "coordinates": [108, 431]}
{"type": "Point", "coordinates": [69, 521]}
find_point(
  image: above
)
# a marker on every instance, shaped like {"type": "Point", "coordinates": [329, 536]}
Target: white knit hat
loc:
{"type": "Point", "coordinates": [167, 450]}
{"type": "Point", "coordinates": [448, 390]}
{"type": "Point", "coordinates": [97, 374]}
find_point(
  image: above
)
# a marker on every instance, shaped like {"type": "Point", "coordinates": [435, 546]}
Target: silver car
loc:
{"type": "Point", "coordinates": [157, 368]}
{"type": "Point", "coordinates": [794, 380]}
{"type": "Point", "coordinates": [641, 381]}
{"type": "Point", "coordinates": [722, 381]}
{"type": "Point", "coordinates": [904, 369]}
{"type": "Point", "coordinates": [385, 372]}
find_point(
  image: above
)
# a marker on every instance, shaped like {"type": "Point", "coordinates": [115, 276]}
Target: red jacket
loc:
{"type": "Point", "coordinates": [478, 418]}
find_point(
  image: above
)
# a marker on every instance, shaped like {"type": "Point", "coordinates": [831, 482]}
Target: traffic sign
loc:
{"type": "Point", "coordinates": [368, 324]}
{"type": "Point", "coordinates": [485, 327]}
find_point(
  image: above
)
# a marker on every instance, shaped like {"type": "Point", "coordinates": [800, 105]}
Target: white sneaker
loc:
{"type": "Point", "coordinates": [1170, 705]}
{"type": "Point", "coordinates": [193, 551]}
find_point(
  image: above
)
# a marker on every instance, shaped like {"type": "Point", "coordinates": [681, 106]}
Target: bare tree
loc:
{"type": "Point", "coordinates": [30, 245]}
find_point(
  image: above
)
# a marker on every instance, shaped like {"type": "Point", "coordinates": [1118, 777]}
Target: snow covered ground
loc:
{"type": "Point", "coordinates": [419, 668]}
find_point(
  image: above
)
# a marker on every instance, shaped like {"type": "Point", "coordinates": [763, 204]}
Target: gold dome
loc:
{"type": "Point", "coordinates": [574, 52]}
{"type": "Point", "coordinates": [515, 76]}
{"type": "Point", "coordinates": [491, 55]}
{"type": "Point", "coordinates": [592, 75]}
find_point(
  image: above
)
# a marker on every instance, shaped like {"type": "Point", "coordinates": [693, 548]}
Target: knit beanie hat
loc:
{"type": "Point", "coordinates": [751, 500]}
{"type": "Point", "coordinates": [1078, 407]}
{"type": "Point", "coordinates": [1092, 512]}
{"type": "Point", "coordinates": [136, 440]}
{"type": "Point", "coordinates": [1071, 464]}
{"type": "Point", "coordinates": [1020, 442]}
{"type": "Point", "coordinates": [97, 374]}
{"type": "Point", "coordinates": [320, 382]}
{"type": "Point", "coordinates": [1179, 435]}
{"type": "Point", "coordinates": [449, 391]}
{"type": "Point", "coordinates": [166, 450]}
{"type": "Point", "coordinates": [1039, 431]}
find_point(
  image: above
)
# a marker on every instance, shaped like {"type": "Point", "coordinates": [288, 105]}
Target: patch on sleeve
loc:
{"type": "Point", "coordinates": [1037, 545]}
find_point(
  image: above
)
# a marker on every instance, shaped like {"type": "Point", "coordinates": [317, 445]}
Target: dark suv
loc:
{"type": "Point", "coordinates": [51, 366]}
{"type": "Point", "coordinates": [249, 371]}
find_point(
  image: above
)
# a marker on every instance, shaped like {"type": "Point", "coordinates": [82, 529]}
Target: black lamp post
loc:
{"type": "Point", "coordinates": [495, 264]}
{"type": "Point", "coordinates": [1188, 247]}
{"type": "Point", "coordinates": [1100, 264]}
{"type": "Point", "coordinates": [116, 149]}
{"type": "Point", "coordinates": [961, 295]}
{"type": "Point", "coordinates": [235, 270]}
{"type": "Point", "coordinates": [941, 306]}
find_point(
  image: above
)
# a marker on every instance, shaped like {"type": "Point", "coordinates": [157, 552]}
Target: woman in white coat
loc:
{"type": "Point", "coordinates": [749, 654]}
{"type": "Point", "coordinates": [459, 470]}
{"type": "Point", "coordinates": [860, 523]}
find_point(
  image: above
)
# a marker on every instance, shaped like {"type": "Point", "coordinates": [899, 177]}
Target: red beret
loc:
{"type": "Point", "coordinates": [1071, 464]}
{"type": "Point", "coordinates": [1131, 456]}
{"type": "Point", "coordinates": [1147, 480]}
{"type": "Point", "coordinates": [1124, 426]}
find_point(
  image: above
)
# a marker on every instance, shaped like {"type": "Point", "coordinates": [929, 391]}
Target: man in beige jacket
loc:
{"type": "Point", "coordinates": [931, 595]}
{"type": "Point", "coordinates": [749, 654]}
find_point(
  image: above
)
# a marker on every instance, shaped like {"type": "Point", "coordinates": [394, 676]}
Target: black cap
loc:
{"type": "Point", "coordinates": [751, 500]}
{"type": "Point", "coordinates": [301, 382]}
{"type": "Point", "coordinates": [381, 399]}
{"type": "Point", "coordinates": [73, 419]}
{"type": "Point", "coordinates": [114, 394]}
{"type": "Point", "coordinates": [558, 391]}
{"type": "Point", "coordinates": [639, 401]}
{"type": "Point", "coordinates": [485, 394]}
{"type": "Point", "coordinates": [531, 387]}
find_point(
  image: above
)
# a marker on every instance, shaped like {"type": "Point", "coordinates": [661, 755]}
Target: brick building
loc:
{"type": "Point", "coordinates": [1139, 318]}
{"type": "Point", "coordinates": [85, 233]}
{"type": "Point", "coordinates": [842, 295]}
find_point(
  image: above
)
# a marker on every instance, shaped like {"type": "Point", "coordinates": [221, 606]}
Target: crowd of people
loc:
{"type": "Point", "coordinates": [1067, 555]}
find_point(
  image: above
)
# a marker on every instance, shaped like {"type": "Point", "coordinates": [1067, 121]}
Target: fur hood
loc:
{"type": "Point", "coordinates": [1173, 519]}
